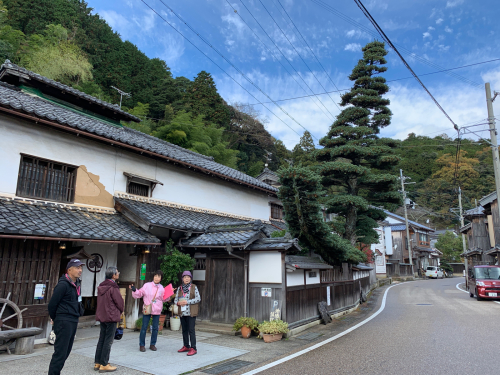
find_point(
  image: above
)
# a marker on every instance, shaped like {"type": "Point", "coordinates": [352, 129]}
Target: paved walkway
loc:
{"type": "Point", "coordinates": [214, 351]}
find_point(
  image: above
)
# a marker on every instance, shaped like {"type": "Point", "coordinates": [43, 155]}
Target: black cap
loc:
{"type": "Point", "coordinates": [74, 263]}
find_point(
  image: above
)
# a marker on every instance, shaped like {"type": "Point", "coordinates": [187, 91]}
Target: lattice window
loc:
{"type": "Point", "coordinates": [46, 179]}
{"type": "Point", "coordinates": [138, 189]}
{"type": "Point", "coordinates": [201, 264]}
{"type": "Point", "coordinates": [276, 211]}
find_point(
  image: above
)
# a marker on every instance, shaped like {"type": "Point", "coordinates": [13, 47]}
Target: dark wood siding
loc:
{"type": "Point", "coordinates": [23, 264]}
{"type": "Point", "coordinates": [260, 307]}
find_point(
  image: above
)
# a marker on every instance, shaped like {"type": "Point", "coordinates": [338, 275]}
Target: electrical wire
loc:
{"type": "Point", "coordinates": [190, 42]}
{"type": "Point", "coordinates": [392, 80]}
{"type": "Point", "coordinates": [297, 52]}
{"type": "Point", "coordinates": [278, 59]}
{"type": "Point", "coordinates": [388, 41]}
{"type": "Point", "coordinates": [369, 31]}
{"type": "Point", "coordinates": [234, 66]}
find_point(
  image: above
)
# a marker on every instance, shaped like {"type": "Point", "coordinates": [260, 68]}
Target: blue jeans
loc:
{"type": "Point", "coordinates": [154, 330]}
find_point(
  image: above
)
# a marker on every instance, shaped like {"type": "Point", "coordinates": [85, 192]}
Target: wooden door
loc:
{"type": "Point", "coordinates": [227, 279]}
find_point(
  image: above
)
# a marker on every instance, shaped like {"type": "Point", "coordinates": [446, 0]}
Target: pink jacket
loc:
{"type": "Point", "coordinates": [147, 292]}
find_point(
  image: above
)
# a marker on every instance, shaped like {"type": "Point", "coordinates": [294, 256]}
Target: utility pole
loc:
{"type": "Point", "coordinates": [408, 240]}
{"type": "Point", "coordinates": [494, 144]}
{"type": "Point", "coordinates": [463, 235]}
{"type": "Point", "coordinates": [122, 94]}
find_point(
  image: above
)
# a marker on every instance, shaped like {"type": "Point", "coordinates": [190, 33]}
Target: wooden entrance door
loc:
{"type": "Point", "coordinates": [228, 283]}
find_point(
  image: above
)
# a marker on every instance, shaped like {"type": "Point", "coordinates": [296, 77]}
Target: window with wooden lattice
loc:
{"type": "Point", "coordinates": [276, 211]}
{"type": "Point", "coordinates": [46, 179]}
{"type": "Point", "coordinates": [140, 185]}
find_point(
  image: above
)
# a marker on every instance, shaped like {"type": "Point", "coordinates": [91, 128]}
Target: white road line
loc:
{"type": "Point", "coordinates": [316, 346]}
{"type": "Point", "coordinates": [468, 292]}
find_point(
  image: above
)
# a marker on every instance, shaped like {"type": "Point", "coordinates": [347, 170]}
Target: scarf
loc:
{"type": "Point", "coordinates": [185, 287]}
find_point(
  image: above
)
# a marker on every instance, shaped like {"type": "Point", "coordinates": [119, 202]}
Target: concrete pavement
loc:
{"type": "Point", "coordinates": [427, 326]}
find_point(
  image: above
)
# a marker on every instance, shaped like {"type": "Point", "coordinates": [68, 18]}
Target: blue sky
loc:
{"type": "Point", "coordinates": [281, 60]}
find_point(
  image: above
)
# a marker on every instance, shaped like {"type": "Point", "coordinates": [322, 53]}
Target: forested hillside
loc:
{"type": "Point", "coordinates": [65, 41]}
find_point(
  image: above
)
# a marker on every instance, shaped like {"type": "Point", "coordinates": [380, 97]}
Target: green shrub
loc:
{"type": "Point", "coordinates": [274, 327]}
{"type": "Point", "coordinates": [244, 321]}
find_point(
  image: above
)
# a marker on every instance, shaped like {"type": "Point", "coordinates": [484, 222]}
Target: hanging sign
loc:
{"type": "Point", "coordinates": [39, 291]}
{"type": "Point", "coordinates": [265, 292]}
{"type": "Point", "coordinates": [143, 271]}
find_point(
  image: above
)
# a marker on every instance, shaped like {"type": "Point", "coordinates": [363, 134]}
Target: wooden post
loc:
{"type": "Point", "coordinates": [283, 287]}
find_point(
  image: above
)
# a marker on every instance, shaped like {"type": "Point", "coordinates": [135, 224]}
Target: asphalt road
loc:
{"type": "Point", "coordinates": [427, 327]}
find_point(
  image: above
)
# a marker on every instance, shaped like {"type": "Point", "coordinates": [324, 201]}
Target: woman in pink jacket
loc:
{"type": "Point", "coordinates": [152, 294]}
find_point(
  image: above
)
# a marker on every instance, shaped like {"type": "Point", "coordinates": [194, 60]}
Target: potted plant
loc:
{"type": "Point", "coordinates": [273, 331]}
{"type": "Point", "coordinates": [247, 325]}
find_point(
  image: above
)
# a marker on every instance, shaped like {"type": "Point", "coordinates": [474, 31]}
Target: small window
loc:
{"type": "Point", "coordinates": [312, 274]}
{"type": "Point", "coordinates": [276, 211]}
{"type": "Point", "coordinates": [138, 189]}
{"type": "Point", "coordinates": [46, 179]}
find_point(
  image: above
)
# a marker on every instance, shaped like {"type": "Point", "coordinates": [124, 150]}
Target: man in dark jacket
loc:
{"type": "Point", "coordinates": [110, 306]}
{"type": "Point", "coordinates": [65, 307]}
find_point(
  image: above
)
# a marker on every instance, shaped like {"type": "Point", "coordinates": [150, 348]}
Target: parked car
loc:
{"type": "Point", "coordinates": [484, 282]}
{"type": "Point", "coordinates": [434, 272]}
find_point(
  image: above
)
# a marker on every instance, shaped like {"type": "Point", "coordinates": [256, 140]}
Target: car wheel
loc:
{"type": "Point", "coordinates": [477, 296]}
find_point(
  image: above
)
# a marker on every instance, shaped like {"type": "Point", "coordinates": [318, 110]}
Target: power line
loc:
{"type": "Point", "coordinates": [234, 66]}
{"type": "Point", "coordinates": [392, 80]}
{"type": "Point", "coordinates": [388, 41]}
{"type": "Point", "coordinates": [277, 58]}
{"type": "Point", "coordinates": [297, 52]}
{"type": "Point", "coordinates": [226, 72]}
{"type": "Point", "coordinates": [367, 30]}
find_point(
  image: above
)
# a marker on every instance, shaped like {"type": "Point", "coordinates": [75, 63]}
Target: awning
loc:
{"type": "Point", "coordinates": [27, 218]}
{"type": "Point", "coordinates": [303, 262]}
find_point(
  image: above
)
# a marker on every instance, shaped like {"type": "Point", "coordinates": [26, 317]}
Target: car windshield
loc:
{"type": "Point", "coordinates": [492, 273]}
{"type": "Point", "coordinates": [431, 268]}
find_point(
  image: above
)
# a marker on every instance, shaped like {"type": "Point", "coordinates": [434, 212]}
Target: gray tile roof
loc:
{"type": "Point", "coordinates": [9, 68]}
{"type": "Point", "coordinates": [238, 238]}
{"type": "Point", "coordinates": [362, 267]}
{"type": "Point", "coordinates": [413, 223]}
{"type": "Point", "coordinates": [477, 211]}
{"type": "Point", "coordinates": [303, 262]}
{"type": "Point", "coordinates": [173, 218]}
{"type": "Point", "coordinates": [20, 101]}
{"type": "Point", "coordinates": [35, 218]}
{"type": "Point", "coordinates": [397, 228]}
{"type": "Point", "coordinates": [487, 199]}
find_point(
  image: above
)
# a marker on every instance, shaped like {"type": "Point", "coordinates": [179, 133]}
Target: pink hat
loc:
{"type": "Point", "coordinates": [187, 273]}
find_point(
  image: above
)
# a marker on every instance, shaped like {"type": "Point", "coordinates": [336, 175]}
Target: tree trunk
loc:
{"type": "Point", "coordinates": [352, 212]}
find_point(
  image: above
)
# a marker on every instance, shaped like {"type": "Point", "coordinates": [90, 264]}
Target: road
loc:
{"type": "Point", "coordinates": [426, 327]}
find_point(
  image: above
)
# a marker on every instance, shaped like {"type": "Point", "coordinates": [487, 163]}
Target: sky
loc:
{"type": "Point", "coordinates": [290, 58]}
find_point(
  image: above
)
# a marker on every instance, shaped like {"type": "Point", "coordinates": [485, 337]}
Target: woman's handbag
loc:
{"type": "Point", "coordinates": [146, 309]}
{"type": "Point", "coordinates": [119, 333]}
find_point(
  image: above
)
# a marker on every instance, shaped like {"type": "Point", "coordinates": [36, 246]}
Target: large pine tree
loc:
{"type": "Point", "coordinates": [354, 158]}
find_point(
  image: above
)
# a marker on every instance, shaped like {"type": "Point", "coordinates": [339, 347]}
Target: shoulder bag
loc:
{"type": "Point", "coordinates": [146, 309]}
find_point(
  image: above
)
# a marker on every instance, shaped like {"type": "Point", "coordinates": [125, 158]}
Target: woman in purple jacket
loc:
{"type": "Point", "coordinates": [152, 294]}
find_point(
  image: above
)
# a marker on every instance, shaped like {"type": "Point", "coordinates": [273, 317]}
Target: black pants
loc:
{"type": "Point", "coordinates": [106, 337]}
{"type": "Point", "coordinates": [187, 323]}
{"type": "Point", "coordinates": [65, 335]}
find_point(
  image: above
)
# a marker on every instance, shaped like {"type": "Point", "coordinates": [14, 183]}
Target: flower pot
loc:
{"type": "Point", "coordinates": [271, 338]}
{"type": "Point", "coordinates": [175, 324]}
{"type": "Point", "coordinates": [161, 323]}
{"type": "Point", "coordinates": [245, 332]}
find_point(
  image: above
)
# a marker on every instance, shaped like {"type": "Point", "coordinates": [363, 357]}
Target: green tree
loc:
{"type": "Point", "coordinates": [173, 263]}
{"type": "Point", "coordinates": [56, 57]}
{"type": "Point", "coordinates": [353, 156]}
{"type": "Point", "coordinates": [450, 245]}
{"type": "Point", "coordinates": [303, 152]}
{"type": "Point", "coordinates": [299, 192]}
{"type": "Point", "coordinates": [203, 99]}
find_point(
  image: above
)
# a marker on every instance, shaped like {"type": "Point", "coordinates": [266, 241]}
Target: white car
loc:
{"type": "Point", "coordinates": [434, 272]}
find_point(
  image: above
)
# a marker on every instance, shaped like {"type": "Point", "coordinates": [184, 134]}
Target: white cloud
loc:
{"type": "Point", "coordinates": [376, 4]}
{"type": "Point", "coordinates": [430, 28]}
{"type": "Point", "coordinates": [353, 47]}
{"type": "Point", "coordinates": [439, 21]}
{"type": "Point", "coordinates": [427, 35]}
{"type": "Point", "coordinates": [443, 48]}
{"type": "Point", "coordinates": [115, 20]}
{"type": "Point", "coordinates": [358, 34]}
{"type": "Point", "coordinates": [454, 3]}
{"type": "Point", "coordinates": [448, 30]}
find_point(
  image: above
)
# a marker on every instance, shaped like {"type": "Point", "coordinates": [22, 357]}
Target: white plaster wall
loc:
{"type": "Point", "coordinates": [109, 254]}
{"type": "Point", "coordinates": [388, 240]}
{"type": "Point", "coordinates": [180, 185]}
{"type": "Point", "coordinates": [264, 267]}
{"type": "Point", "coordinates": [312, 280]}
{"type": "Point", "coordinates": [199, 275]}
{"type": "Point", "coordinates": [295, 278]}
{"type": "Point", "coordinates": [126, 264]}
